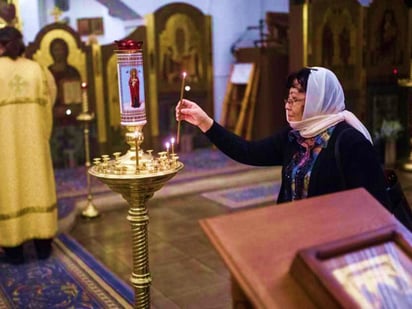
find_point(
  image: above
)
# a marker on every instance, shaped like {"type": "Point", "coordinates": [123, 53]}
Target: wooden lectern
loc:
{"type": "Point", "coordinates": [259, 246]}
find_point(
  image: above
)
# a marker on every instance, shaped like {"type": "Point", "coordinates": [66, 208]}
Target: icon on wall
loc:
{"type": "Point", "coordinates": [88, 26]}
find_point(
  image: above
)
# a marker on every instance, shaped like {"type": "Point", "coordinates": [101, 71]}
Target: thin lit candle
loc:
{"type": "Point", "coordinates": [172, 142]}
{"type": "Point", "coordinates": [167, 148]}
{"type": "Point", "coordinates": [85, 100]}
{"type": "Point", "coordinates": [180, 101]}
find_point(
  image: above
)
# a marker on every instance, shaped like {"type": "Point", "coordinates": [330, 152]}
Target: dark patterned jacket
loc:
{"type": "Point", "coordinates": [359, 161]}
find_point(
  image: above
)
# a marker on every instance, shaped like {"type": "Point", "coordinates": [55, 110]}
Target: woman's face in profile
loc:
{"type": "Point", "coordinates": [295, 102]}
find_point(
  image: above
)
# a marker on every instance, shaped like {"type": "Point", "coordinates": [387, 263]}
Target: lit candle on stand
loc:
{"type": "Point", "coordinates": [167, 148]}
{"type": "Point", "coordinates": [172, 141]}
{"type": "Point", "coordinates": [180, 101]}
{"type": "Point", "coordinates": [85, 100]}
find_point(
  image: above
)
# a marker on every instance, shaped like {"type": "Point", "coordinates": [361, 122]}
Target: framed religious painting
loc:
{"type": "Point", "coordinates": [388, 42]}
{"type": "Point", "coordinates": [59, 48]}
{"type": "Point", "coordinates": [370, 270]}
{"type": "Point", "coordinates": [71, 92]}
{"type": "Point", "coordinates": [179, 40]}
{"type": "Point", "coordinates": [88, 26]}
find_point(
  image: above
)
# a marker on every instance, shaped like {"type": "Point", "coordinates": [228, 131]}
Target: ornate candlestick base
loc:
{"type": "Point", "coordinates": [90, 210]}
{"type": "Point", "coordinates": [137, 176]}
{"type": "Point", "coordinates": [137, 190]}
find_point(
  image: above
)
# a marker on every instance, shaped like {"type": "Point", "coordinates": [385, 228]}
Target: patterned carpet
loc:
{"type": "Point", "coordinates": [246, 196]}
{"type": "Point", "coordinates": [70, 278]}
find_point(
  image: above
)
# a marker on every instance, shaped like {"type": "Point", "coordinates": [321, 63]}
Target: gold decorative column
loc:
{"type": "Point", "coordinates": [138, 174]}
{"type": "Point", "coordinates": [137, 189]}
{"type": "Point", "coordinates": [86, 117]}
{"type": "Point", "coordinates": [407, 83]}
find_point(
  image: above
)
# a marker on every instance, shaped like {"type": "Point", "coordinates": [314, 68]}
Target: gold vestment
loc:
{"type": "Point", "coordinates": [28, 207]}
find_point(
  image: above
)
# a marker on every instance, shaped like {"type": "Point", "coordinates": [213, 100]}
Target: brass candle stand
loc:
{"type": "Point", "coordinates": [90, 211]}
{"type": "Point", "coordinates": [137, 175]}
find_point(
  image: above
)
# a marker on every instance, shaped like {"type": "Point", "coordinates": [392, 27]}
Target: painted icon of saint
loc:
{"type": "Point", "coordinates": [134, 88]}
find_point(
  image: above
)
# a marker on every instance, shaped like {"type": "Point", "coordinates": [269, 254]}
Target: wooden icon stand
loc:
{"type": "Point", "coordinates": [240, 99]}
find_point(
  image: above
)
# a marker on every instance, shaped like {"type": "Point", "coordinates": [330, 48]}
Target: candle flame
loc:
{"type": "Point", "coordinates": [172, 140]}
{"type": "Point", "coordinates": [184, 74]}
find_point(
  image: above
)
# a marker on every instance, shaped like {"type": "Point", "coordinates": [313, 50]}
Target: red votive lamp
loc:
{"type": "Point", "coordinates": [131, 82]}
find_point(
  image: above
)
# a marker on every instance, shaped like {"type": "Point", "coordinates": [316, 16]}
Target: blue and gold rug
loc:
{"type": "Point", "coordinates": [246, 196]}
{"type": "Point", "coordinates": [70, 278]}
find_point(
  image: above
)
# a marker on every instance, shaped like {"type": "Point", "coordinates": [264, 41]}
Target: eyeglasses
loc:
{"type": "Point", "coordinates": [292, 101]}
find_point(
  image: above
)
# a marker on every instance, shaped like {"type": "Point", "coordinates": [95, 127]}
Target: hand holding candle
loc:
{"type": "Point", "coordinates": [180, 100]}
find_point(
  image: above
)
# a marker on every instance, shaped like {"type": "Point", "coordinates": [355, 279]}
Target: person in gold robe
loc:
{"type": "Point", "coordinates": [28, 207]}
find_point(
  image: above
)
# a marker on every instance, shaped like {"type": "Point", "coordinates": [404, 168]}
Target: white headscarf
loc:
{"type": "Point", "coordinates": [325, 106]}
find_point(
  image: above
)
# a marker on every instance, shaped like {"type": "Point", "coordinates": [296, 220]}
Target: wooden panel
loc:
{"type": "Point", "coordinates": [258, 246]}
{"type": "Point", "coordinates": [371, 269]}
{"type": "Point", "coordinates": [269, 112]}
{"type": "Point", "coordinates": [240, 98]}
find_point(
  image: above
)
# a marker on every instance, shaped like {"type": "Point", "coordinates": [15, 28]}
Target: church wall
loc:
{"type": "Point", "coordinates": [30, 19]}
{"type": "Point", "coordinates": [229, 21]}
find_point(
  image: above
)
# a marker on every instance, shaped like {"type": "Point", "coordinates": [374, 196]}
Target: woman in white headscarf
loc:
{"type": "Point", "coordinates": [315, 111]}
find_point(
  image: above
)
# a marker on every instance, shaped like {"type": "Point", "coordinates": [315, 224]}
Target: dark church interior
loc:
{"type": "Point", "coordinates": [194, 228]}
